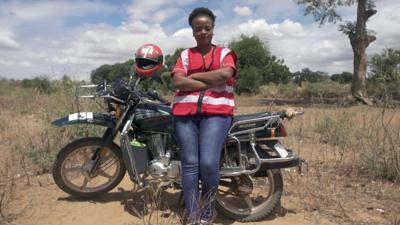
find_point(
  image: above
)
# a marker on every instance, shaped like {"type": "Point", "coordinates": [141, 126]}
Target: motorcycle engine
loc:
{"type": "Point", "coordinates": [162, 167]}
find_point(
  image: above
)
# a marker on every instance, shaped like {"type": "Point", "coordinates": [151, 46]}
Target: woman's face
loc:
{"type": "Point", "coordinates": [202, 27]}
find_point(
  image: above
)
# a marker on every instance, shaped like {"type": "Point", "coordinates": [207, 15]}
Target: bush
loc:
{"type": "Point", "coordinates": [384, 92]}
{"type": "Point", "coordinates": [325, 89]}
{"type": "Point", "coordinates": [41, 84]}
{"type": "Point", "coordinates": [289, 90]}
{"type": "Point", "coordinates": [249, 80]}
{"type": "Point", "coordinates": [342, 78]}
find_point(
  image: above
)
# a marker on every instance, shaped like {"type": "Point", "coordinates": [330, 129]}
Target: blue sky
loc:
{"type": "Point", "coordinates": [52, 38]}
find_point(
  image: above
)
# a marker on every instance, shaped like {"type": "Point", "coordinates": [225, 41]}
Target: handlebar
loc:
{"type": "Point", "coordinates": [155, 96]}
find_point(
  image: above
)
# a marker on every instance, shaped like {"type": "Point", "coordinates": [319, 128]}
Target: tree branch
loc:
{"type": "Point", "coordinates": [369, 13]}
{"type": "Point", "coordinates": [369, 39]}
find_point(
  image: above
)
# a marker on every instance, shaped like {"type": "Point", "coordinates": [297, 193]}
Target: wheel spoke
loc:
{"type": "Point", "coordinates": [107, 164]}
{"type": "Point", "coordinates": [86, 155]}
{"type": "Point", "coordinates": [73, 169]}
{"type": "Point", "coordinates": [248, 201]}
{"type": "Point", "coordinates": [104, 174]}
{"type": "Point", "coordinates": [228, 192]}
{"type": "Point", "coordinates": [85, 182]}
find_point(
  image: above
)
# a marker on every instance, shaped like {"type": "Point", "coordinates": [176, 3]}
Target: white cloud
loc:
{"type": "Point", "coordinates": [386, 24]}
{"type": "Point", "coordinates": [156, 11]}
{"type": "Point", "coordinates": [319, 48]}
{"type": "Point", "coordinates": [242, 11]}
{"type": "Point", "coordinates": [7, 40]}
{"type": "Point", "coordinates": [34, 35]}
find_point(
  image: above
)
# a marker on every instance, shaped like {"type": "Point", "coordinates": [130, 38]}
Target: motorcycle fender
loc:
{"type": "Point", "coordinates": [85, 118]}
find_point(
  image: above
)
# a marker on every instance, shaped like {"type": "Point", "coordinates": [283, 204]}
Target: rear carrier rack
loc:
{"type": "Point", "coordinates": [250, 130]}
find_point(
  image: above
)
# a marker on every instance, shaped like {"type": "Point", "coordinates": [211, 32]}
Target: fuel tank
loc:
{"type": "Point", "coordinates": [153, 118]}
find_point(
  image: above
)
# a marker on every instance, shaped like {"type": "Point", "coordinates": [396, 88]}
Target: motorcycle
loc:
{"type": "Point", "coordinates": [251, 181]}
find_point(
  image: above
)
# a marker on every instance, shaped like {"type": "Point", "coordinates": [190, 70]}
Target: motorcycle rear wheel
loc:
{"type": "Point", "coordinates": [247, 199]}
{"type": "Point", "coordinates": [72, 173]}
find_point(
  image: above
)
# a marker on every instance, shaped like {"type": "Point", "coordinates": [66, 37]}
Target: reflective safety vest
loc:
{"type": "Point", "coordinates": [213, 101]}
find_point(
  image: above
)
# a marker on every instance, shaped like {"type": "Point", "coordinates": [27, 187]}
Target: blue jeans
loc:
{"type": "Point", "coordinates": [201, 139]}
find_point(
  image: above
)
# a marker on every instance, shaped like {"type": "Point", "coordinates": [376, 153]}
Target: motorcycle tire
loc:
{"type": "Point", "coordinates": [253, 213]}
{"type": "Point", "coordinates": [60, 171]}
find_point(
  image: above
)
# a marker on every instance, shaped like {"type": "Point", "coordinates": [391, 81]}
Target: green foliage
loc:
{"type": "Point", "coordinates": [170, 60]}
{"type": "Point", "coordinates": [256, 66]}
{"type": "Point", "coordinates": [289, 90]}
{"type": "Point", "coordinates": [40, 84]}
{"type": "Point", "coordinates": [385, 67]}
{"type": "Point", "coordinates": [250, 51]}
{"type": "Point", "coordinates": [276, 72]}
{"type": "Point", "coordinates": [306, 75]}
{"type": "Point", "coordinates": [113, 72]}
{"type": "Point", "coordinates": [384, 92]}
{"type": "Point", "coordinates": [384, 77]}
{"type": "Point", "coordinates": [324, 11]}
{"type": "Point", "coordinates": [325, 89]}
{"type": "Point", "coordinates": [249, 80]}
{"type": "Point", "coordinates": [167, 82]}
{"type": "Point", "coordinates": [342, 78]}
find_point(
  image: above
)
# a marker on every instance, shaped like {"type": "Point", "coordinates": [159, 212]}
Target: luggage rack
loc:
{"type": "Point", "coordinates": [251, 126]}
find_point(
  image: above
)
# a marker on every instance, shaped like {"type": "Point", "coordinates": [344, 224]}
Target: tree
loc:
{"type": "Point", "coordinates": [386, 66]}
{"type": "Point", "coordinates": [170, 60]}
{"type": "Point", "coordinates": [325, 11]}
{"type": "Point", "coordinates": [256, 66]}
{"type": "Point", "coordinates": [111, 73]}
{"type": "Point", "coordinates": [342, 78]}
{"type": "Point", "coordinates": [384, 76]}
{"type": "Point", "coordinates": [306, 75]}
{"type": "Point", "coordinates": [41, 84]}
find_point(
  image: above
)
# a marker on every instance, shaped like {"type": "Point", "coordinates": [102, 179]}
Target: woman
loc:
{"type": "Point", "coordinates": [203, 78]}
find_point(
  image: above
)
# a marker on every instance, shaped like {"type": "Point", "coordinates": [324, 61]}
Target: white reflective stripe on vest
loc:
{"type": "Point", "coordinates": [206, 100]}
{"type": "Point", "coordinates": [224, 52]}
{"type": "Point", "coordinates": [185, 59]}
{"type": "Point", "coordinates": [222, 88]}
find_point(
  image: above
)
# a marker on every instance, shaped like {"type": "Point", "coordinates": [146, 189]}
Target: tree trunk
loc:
{"type": "Point", "coordinates": [359, 42]}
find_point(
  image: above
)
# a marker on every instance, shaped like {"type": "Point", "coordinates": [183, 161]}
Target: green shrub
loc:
{"type": "Point", "coordinates": [289, 90]}
{"type": "Point", "coordinates": [325, 89]}
{"type": "Point", "coordinates": [249, 80]}
{"type": "Point", "coordinates": [384, 91]}
{"type": "Point", "coordinates": [41, 84]}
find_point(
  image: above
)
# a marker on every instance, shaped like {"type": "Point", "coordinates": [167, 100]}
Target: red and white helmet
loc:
{"type": "Point", "coordinates": [148, 59]}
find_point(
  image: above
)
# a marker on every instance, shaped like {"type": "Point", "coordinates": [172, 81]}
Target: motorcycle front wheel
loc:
{"type": "Point", "coordinates": [246, 198]}
{"type": "Point", "coordinates": [85, 169]}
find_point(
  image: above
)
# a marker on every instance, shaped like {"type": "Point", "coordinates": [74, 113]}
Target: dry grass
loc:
{"type": "Point", "coordinates": [354, 162]}
{"type": "Point", "coordinates": [353, 155]}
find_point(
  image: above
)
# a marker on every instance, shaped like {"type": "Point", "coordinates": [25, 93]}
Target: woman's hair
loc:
{"type": "Point", "coordinates": [203, 12]}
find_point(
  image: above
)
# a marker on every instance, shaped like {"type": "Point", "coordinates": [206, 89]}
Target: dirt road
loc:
{"type": "Point", "coordinates": [42, 203]}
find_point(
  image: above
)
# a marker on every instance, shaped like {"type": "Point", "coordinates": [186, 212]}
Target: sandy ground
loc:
{"type": "Point", "coordinates": [43, 203]}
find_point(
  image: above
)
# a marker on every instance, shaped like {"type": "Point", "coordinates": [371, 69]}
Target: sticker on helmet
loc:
{"type": "Point", "coordinates": [147, 50]}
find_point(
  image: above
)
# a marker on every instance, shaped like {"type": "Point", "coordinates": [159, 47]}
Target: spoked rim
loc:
{"type": "Point", "coordinates": [75, 169]}
{"type": "Point", "coordinates": [245, 195]}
